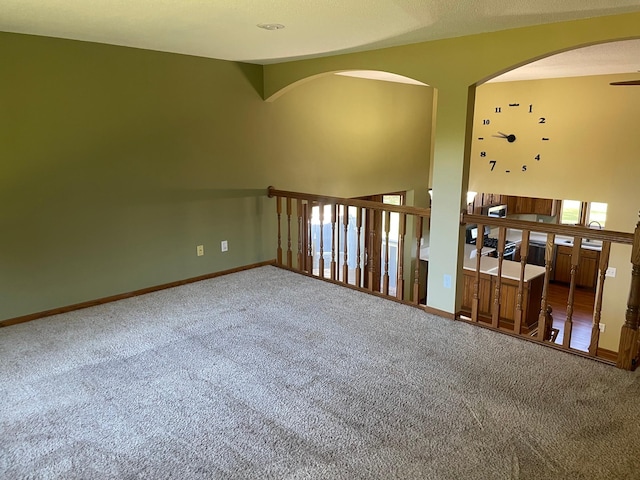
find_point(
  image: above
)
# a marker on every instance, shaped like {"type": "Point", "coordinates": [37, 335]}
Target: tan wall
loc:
{"type": "Point", "coordinates": [345, 136]}
{"type": "Point", "coordinates": [592, 155]}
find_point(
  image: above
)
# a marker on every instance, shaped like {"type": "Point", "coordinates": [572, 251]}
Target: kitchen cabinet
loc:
{"type": "Point", "coordinates": [531, 295]}
{"type": "Point", "coordinates": [538, 206]}
{"type": "Point", "coordinates": [586, 275]}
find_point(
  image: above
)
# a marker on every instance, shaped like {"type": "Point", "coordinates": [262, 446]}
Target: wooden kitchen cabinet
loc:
{"type": "Point", "coordinates": [531, 298]}
{"type": "Point", "coordinates": [538, 206]}
{"type": "Point", "coordinates": [562, 266]}
{"type": "Point", "coordinates": [586, 275]}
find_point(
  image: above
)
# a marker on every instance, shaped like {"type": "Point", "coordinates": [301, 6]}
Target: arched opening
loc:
{"type": "Point", "coordinates": [553, 135]}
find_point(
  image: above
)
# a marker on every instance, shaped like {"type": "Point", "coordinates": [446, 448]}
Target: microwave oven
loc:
{"type": "Point", "coordinates": [499, 211]}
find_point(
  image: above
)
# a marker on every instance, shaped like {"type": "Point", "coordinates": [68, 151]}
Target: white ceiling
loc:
{"type": "Point", "coordinates": [227, 29]}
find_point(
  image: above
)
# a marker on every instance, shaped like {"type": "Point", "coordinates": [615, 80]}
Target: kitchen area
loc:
{"type": "Point", "coordinates": [540, 211]}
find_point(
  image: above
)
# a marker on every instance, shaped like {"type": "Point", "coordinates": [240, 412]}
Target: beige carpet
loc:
{"type": "Point", "coordinates": [266, 374]}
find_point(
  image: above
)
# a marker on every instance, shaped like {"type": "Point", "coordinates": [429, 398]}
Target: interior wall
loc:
{"type": "Point", "coordinates": [117, 162]}
{"type": "Point", "coordinates": [349, 137]}
{"type": "Point", "coordinates": [592, 155]}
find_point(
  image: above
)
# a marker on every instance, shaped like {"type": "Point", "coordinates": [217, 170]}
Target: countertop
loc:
{"type": "Point", "coordinates": [516, 236]}
{"type": "Point", "coordinates": [510, 269]}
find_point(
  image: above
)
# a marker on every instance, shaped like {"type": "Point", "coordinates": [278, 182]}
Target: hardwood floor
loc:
{"type": "Point", "coordinates": [583, 302]}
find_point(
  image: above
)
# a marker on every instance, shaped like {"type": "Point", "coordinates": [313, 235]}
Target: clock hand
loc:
{"type": "Point", "coordinates": [510, 138]}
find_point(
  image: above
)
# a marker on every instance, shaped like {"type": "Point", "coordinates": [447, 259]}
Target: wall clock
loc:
{"type": "Point", "coordinates": [511, 138]}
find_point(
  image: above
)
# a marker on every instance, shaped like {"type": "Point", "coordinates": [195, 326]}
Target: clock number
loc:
{"type": "Point", "coordinates": [524, 168]}
{"type": "Point", "coordinates": [542, 120]}
{"type": "Point", "coordinates": [483, 154]}
{"type": "Point", "coordinates": [530, 108]}
{"type": "Point", "coordinates": [493, 164]}
{"type": "Point", "coordinates": [486, 122]}
{"type": "Point", "coordinates": [498, 109]}
{"type": "Point", "coordinates": [537, 157]}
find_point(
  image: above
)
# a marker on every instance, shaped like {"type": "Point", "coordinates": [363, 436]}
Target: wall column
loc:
{"type": "Point", "coordinates": [450, 180]}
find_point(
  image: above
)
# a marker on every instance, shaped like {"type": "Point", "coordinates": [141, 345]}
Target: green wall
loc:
{"type": "Point", "coordinates": [116, 162]}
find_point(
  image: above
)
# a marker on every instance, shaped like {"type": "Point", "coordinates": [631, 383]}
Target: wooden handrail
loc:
{"type": "Point", "coordinates": [352, 202]}
{"type": "Point", "coordinates": [564, 230]}
{"type": "Point", "coordinates": [509, 294]}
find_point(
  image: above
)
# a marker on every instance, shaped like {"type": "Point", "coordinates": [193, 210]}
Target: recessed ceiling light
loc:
{"type": "Point", "coordinates": [271, 26]}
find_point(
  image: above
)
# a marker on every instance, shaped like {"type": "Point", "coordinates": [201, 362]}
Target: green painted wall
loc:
{"type": "Point", "coordinates": [115, 163]}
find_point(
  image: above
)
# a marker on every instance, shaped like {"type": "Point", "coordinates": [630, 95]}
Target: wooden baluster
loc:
{"type": "Point", "coordinates": [358, 241]}
{"type": "Point", "coordinates": [372, 238]}
{"type": "Point", "coordinates": [568, 323]}
{"type": "Point", "coordinates": [321, 259]}
{"type": "Point", "coordinates": [524, 253]}
{"type": "Point", "coordinates": [495, 311]}
{"type": "Point", "coordinates": [289, 251]}
{"type": "Point", "coordinates": [475, 304]}
{"type": "Point", "coordinates": [597, 310]}
{"type": "Point", "coordinates": [345, 223]}
{"type": "Point", "coordinates": [385, 278]}
{"type": "Point", "coordinates": [300, 235]}
{"type": "Point", "coordinates": [333, 242]}
{"type": "Point", "coordinates": [628, 346]}
{"type": "Point", "coordinates": [416, 273]}
{"type": "Point", "coordinates": [279, 210]}
{"type": "Point", "coordinates": [548, 261]}
{"type": "Point", "coordinates": [402, 227]}
{"type": "Point", "coordinates": [309, 213]}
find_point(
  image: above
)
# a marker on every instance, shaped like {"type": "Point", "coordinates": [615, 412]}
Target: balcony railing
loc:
{"type": "Point", "coordinates": [376, 247]}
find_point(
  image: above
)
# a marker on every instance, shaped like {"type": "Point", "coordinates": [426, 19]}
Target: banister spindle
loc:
{"type": "Point", "coordinates": [358, 242]}
{"type": "Point", "coordinates": [597, 309]}
{"type": "Point", "coordinates": [416, 273]}
{"type": "Point", "coordinates": [575, 260]}
{"type": "Point", "coordinates": [495, 311]}
{"type": "Point", "coordinates": [385, 278]}
{"type": "Point", "coordinates": [401, 233]}
{"type": "Point", "coordinates": [279, 210]}
{"type": "Point", "coordinates": [475, 302]}
{"type": "Point", "coordinates": [333, 242]}
{"type": "Point", "coordinates": [321, 259]}
{"type": "Point", "coordinates": [300, 235]}
{"type": "Point", "coordinates": [370, 250]}
{"type": "Point", "coordinates": [548, 262]}
{"type": "Point", "coordinates": [308, 210]}
{"type": "Point", "coordinates": [628, 346]}
{"type": "Point", "coordinates": [289, 251]}
{"type": "Point", "coordinates": [524, 253]}
{"type": "Point", "coordinates": [345, 224]}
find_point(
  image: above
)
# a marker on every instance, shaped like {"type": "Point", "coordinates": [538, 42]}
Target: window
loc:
{"type": "Point", "coordinates": [597, 215]}
{"type": "Point", "coordinates": [575, 212]}
{"type": "Point", "coordinates": [571, 212]}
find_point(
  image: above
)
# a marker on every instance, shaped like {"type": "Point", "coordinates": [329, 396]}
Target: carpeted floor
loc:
{"type": "Point", "coordinates": [266, 374]}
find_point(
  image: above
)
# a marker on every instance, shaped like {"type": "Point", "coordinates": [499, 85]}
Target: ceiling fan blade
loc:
{"type": "Point", "coordinates": [630, 82]}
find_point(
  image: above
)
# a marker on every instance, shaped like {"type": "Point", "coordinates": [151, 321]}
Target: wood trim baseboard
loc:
{"type": "Point", "coordinates": [609, 355]}
{"type": "Point", "coordinates": [122, 296]}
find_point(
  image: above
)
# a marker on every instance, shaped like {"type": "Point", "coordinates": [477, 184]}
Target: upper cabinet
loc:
{"type": "Point", "coordinates": [515, 205]}
{"type": "Point", "coordinates": [538, 206]}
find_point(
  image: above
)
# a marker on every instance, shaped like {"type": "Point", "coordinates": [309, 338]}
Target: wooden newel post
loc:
{"type": "Point", "coordinates": [628, 349]}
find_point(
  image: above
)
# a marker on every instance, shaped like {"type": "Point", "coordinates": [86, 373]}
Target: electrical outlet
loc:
{"type": "Point", "coordinates": [200, 250]}
{"type": "Point", "coordinates": [601, 326]}
{"type": "Point", "coordinates": [224, 246]}
{"type": "Point", "coordinates": [447, 281]}
{"type": "Point", "coordinates": [611, 272]}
